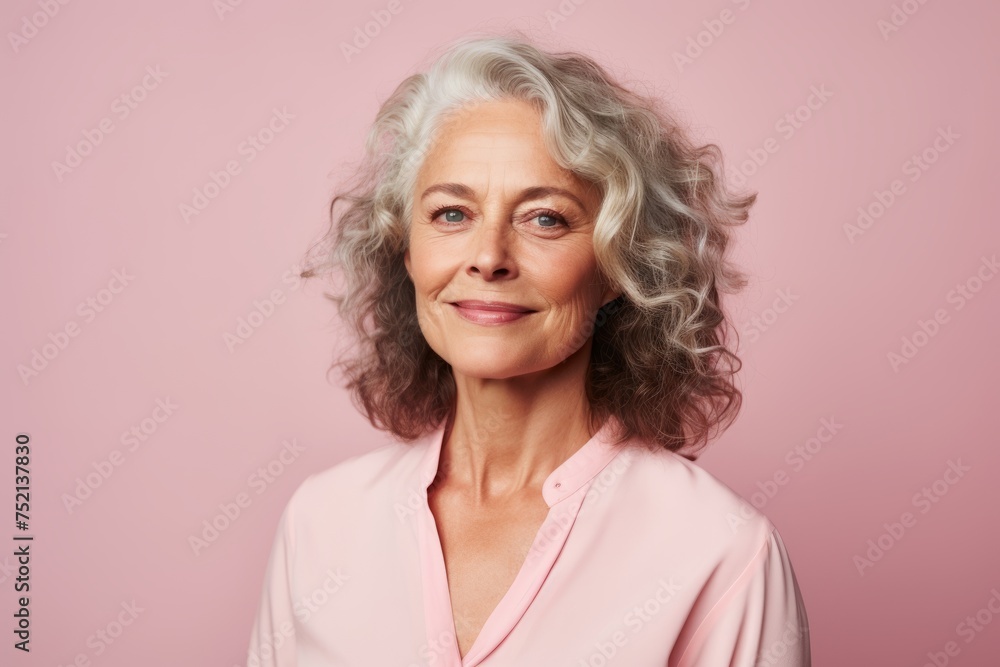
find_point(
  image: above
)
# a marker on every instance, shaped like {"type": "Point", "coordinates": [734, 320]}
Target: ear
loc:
{"type": "Point", "coordinates": [610, 294]}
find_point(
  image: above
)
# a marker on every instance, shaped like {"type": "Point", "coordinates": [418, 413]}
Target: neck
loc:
{"type": "Point", "coordinates": [507, 435]}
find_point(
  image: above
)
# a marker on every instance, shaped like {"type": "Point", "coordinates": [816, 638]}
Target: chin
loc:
{"type": "Point", "coordinates": [487, 369]}
{"type": "Point", "coordinates": [487, 362]}
{"type": "Point", "coordinates": [496, 364]}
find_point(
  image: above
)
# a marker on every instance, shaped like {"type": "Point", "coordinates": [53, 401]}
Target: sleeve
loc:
{"type": "Point", "coordinates": [760, 621]}
{"type": "Point", "coordinates": [272, 639]}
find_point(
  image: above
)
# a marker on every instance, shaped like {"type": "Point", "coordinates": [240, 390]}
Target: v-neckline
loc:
{"type": "Point", "coordinates": [517, 588]}
{"type": "Point", "coordinates": [564, 491]}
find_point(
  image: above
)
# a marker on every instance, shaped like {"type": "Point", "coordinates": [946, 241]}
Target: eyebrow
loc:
{"type": "Point", "coordinates": [536, 192]}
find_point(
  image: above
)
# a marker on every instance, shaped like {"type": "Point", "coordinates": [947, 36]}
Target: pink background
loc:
{"type": "Point", "coordinates": [162, 335]}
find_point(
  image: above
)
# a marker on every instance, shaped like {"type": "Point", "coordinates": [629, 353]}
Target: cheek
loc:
{"type": "Point", "coordinates": [570, 280]}
{"type": "Point", "coordinates": [426, 269]}
{"type": "Point", "coordinates": [416, 249]}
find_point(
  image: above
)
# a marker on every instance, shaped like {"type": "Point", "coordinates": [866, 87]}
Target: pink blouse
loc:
{"type": "Point", "coordinates": [643, 560]}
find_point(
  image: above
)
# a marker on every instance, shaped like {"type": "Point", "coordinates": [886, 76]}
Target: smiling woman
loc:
{"type": "Point", "coordinates": [533, 258]}
{"type": "Point", "coordinates": [511, 244]}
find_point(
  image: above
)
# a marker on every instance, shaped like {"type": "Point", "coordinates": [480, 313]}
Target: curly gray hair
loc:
{"type": "Point", "coordinates": [659, 361]}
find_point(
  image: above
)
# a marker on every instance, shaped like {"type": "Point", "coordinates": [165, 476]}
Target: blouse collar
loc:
{"type": "Point", "coordinates": [582, 466]}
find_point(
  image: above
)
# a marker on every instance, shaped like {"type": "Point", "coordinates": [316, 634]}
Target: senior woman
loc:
{"type": "Point", "coordinates": [532, 258]}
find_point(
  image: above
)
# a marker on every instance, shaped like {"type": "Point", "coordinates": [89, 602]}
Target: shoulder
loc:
{"type": "Point", "coordinates": [357, 482]}
{"type": "Point", "coordinates": [731, 563]}
{"type": "Point", "coordinates": [690, 503]}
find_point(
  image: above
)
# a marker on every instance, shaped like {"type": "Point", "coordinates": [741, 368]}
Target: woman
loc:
{"type": "Point", "coordinates": [533, 258]}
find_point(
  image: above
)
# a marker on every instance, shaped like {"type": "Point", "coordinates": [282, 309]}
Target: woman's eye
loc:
{"type": "Point", "coordinates": [455, 216]}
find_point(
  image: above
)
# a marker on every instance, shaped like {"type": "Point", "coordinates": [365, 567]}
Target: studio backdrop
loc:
{"type": "Point", "coordinates": [165, 384]}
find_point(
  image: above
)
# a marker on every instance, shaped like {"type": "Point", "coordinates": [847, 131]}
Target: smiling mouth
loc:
{"type": "Point", "coordinates": [498, 306]}
{"type": "Point", "coordinates": [490, 312]}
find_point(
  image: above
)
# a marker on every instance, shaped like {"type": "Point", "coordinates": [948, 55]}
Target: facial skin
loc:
{"type": "Point", "coordinates": [493, 244]}
{"type": "Point", "coordinates": [521, 404]}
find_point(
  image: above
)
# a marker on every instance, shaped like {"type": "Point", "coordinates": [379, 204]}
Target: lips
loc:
{"type": "Point", "coordinates": [498, 306]}
{"type": "Point", "coordinates": [490, 313]}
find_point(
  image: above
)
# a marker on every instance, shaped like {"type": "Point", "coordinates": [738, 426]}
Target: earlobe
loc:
{"type": "Point", "coordinates": [610, 296]}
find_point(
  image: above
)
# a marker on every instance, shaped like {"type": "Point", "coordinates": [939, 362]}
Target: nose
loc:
{"type": "Point", "coordinates": [490, 249]}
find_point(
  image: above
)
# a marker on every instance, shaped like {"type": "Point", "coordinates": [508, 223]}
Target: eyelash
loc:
{"type": "Point", "coordinates": [560, 218]}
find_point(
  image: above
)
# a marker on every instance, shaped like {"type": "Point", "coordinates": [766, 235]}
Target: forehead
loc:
{"type": "Point", "coordinates": [492, 139]}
